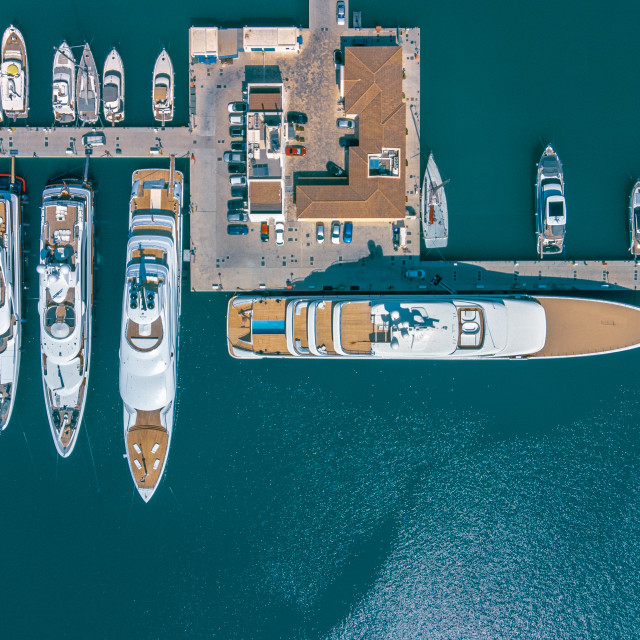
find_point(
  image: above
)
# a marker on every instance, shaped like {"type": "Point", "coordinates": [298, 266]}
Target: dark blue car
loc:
{"type": "Point", "coordinates": [347, 233]}
{"type": "Point", "coordinates": [237, 229]}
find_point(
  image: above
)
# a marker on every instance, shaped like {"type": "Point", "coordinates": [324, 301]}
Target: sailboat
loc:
{"type": "Point", "coordinates": [64, 85]}
{"type": "Point", "coordinates": [113, 88]}
{"type": "Point", "coordinates": [14, 79]}
{"type": "Point", "coordinates": [163, 91]}
{"type": "Point", "coordinates": [435, 215]}
{"type": "Point", "coordinates": [11, 193]}
{"type": "Point", "coordinates": [151, 322]}
{"type": "Point", "coordinates": [65, 306]}
{"type": "Point", "coordinates": [88, 88]}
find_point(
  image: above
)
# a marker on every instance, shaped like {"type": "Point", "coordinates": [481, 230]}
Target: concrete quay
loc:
{"type": "Point", "coordinates": [120, 142]}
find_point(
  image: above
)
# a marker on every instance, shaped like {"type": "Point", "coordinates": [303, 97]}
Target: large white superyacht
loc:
{"type": "Point", "coordinates": [150, 323]}
{"type": "Point", "coordinates": [65, 306]}
{"type": "Point", "coordinates": [428, 327]}
{"type": "Point", "coordinates": [11, 192]}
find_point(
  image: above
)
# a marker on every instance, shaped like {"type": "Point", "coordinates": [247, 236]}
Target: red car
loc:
{"type": "Point", "coordinates": [295, 150]}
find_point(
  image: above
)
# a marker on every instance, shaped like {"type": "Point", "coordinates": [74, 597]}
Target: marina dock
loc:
{"type": "Point", "coordinates": [301, 63]}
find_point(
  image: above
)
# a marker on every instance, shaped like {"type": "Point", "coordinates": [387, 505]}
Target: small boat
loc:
{"type": "Point", "coordinates": [65, 306]}
{"type": "Point", "coordinates": [435, 215]}
{"type": "Point", "coordinates": [162, 94]}
{"type": "Point", "coordinates": [11, 195]}
{"type": "Point", "coordinates": [634, 219]}
{"type": "Point", "coordinates": [14, 78]}
{"type": "Point", "coordinates": [551, 213]}
{"type": "Point", "coordinates": [64, 85]}
{"type": "Point", "coordinates": [88, 88]}
{"type": "Point", "coordinates": [151, 322]}
{"type": "Point", "coordinates": [113, 88]}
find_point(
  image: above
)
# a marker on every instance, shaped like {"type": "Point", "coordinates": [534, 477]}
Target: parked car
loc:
{"type": "Point", "coordinates": [415, 274]}
{"type": "Point", "coordinates": [237, 216]}
{"type": "Point", "coordinates": [237, 167]}
{"type": "Point", "coordinates": [335, 232]}
{"type": "Point", "coordinates": [236, 204]}
{"type": "Point", "coordinates": [239, 192]}
{"type": "Point", "coordinates": [334, 169]}
{"type": "Point", "coordinates": [233, 156]}
{"type": "Point", "coordinates": [319, 233]}
{"type": "Point", "coordinates": [238, 180]}
{"type": "Point", "coordinates": [237, 229]}
{"type": "Point", "coordinates": [93, 139]}
{"type": "Point", "coordinates": [297, 117]}
{"type": "Point", "coordinates": [337, 58]}
{"type": "Point", "coordinates": [238, 145]}
{"type": "Point", "coordinates": [340, 12]}
{"type": "Point", "coordinates": [295, 150]}
{"type": "Point", "coordinates": [345, 123]}
{"type": "Point", "coordinates": [237, 118]}
{"type": "Point", "coordinates": [237, 107]}
{"type": "Point", "coordinates": [396, 238]}
{"type": "Point", "coordinates": [236, 132]}
{"type": "Point", "coordinates": [264, 232]}
{"type": "Point", "coordinates": [347, 233]}
{"type": "Point", "coordinates": [279, 233]}
{"type": "Point", "coordinates": [349, 142]}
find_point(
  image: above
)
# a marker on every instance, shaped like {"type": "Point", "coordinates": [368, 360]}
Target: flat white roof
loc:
{"type": "Point", "coordinates": [203, 41]}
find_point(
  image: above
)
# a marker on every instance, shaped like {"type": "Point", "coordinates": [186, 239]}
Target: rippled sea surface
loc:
{"type": "Point", "coordinates": [346, 500]}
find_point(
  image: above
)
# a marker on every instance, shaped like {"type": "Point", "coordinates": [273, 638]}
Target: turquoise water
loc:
{"type": "Point", "coordinates": [352, 500]}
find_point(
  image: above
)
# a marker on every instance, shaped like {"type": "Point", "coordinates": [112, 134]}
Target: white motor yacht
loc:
{"type": "Point", "coordinates": [14, 78]}
{"type": "Point", "coordinates": [11, 193]}
{"type": "Point", "coordinates": [65, 306]}
{"type": "Point", "coordinates": [428, 327]}
{"type": "Point", "coordinates": [88, 88]}
{"type": "Point", "coordinates": [163, 90]}
{"type": "Point", "coordinates": [113, 88]}
{"type": "Point", "coordinates": [634, 220]}
{"type": "Point", "coordinates": [435, 214]}
{"type": "Point", "coordinates": [64, 85]}
{"type": "Point", "coordinates": [551, 213]}
{"type": "Point", "coordinates": [151, 322]}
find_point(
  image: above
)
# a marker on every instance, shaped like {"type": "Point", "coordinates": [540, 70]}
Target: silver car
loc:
{"type": "Point", "coordinates": [340, 12]}
{"type": "Point", "coordinates": [345, 123]}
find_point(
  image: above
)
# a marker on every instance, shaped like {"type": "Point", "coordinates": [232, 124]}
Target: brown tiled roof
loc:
{"type": "Point", "coordinates": [265, 195]}
{"type": "Point", "coordinates": [265, 101]}
{"type": "Point", "coordinates": [373, 91]}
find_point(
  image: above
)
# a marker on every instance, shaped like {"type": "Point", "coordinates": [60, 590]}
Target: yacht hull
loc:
{"type": "Point", "coordinates": [88, 88]}
{"type": "Point", "coordinates": [634, 220]}
{"type": "Point", "coordinates": [428, 327]}
{"type": "Point", "coordinates": [549, 185]}
{"type": "Point", "coordinates": [64, 85]}
{"type": "Point", "coordinates": [113, 88]}
{"type": "Point", "coordinates": [162, 93]}
{"type": "Point", "coordinates": [14, 75]}
{"type": "Point", "coordinates": [65, 307]}
{"type": "Point", "coordinates": [434, 210]}
{"type": "Point", "coordinates": [149, 338]}
{"type": "Point", "coordinates": [11, 309]}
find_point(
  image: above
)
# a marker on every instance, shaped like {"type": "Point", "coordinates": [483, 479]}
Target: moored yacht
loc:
{"type": "Point", "coordinates": [11, 193]}
{"type": "Point", "coordinates": [14, 78]}
{"type": "Point", "coordinates": [151, 322]}
{"type": "Point", "coordinates": [163, 91]}
{"type": "Point", "coordinates": [435, 214]}
{"type": "Point", "coordinates": [634, 219]}
{"type": "Point", "coordinates": [64, 84]}
{"type": "Point", "coordinates": [65, 306]}
{"type": "Point", "coordinates": [428, 327]}
{"type": "Point", "coordinates": [88, 88]}
{"type": "Point", "coordinates": [551, 214]}
{"type": "Point", "coordinates": [113, 88]}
